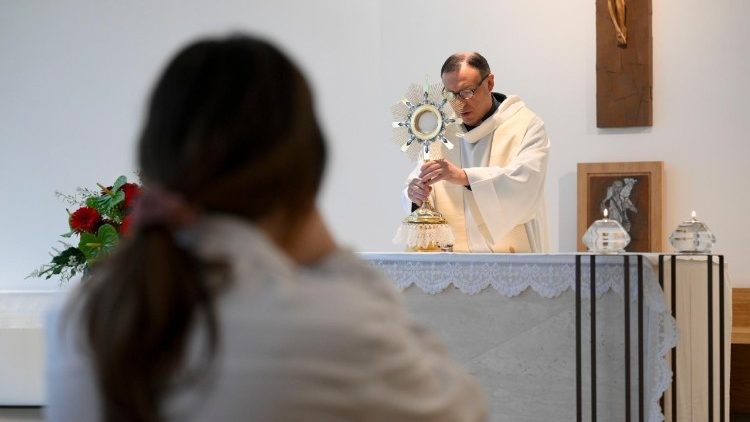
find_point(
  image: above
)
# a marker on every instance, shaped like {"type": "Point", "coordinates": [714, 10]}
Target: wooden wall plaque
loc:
{"type": "Point", "coordinates": [645, 195]}
{"type": "Point", "coordinates": [624, 74]}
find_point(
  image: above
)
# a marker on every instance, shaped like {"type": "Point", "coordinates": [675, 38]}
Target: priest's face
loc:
{"type": "Point", "coordinates": [467, 79]}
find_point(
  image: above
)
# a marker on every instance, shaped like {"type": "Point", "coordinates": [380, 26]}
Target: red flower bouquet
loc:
{"type": "Point", "coordinates": [100, 219]}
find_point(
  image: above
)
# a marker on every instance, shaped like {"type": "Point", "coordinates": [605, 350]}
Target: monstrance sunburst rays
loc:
{"type": "Point", "coordinates": [424, 117]}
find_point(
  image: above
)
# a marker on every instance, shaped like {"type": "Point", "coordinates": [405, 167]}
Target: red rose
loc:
{"type": "Point", "coordinates": [131, 192]}
{"type": "Point", "coordinates": [85, 219]}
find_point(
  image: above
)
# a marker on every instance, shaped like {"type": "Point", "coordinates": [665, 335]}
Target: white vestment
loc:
{"type": "Point", "coordinates": [505, 159]}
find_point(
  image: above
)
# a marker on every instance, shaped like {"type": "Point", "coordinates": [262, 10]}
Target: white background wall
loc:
{"type": "Point", "coordinates": [74, 75]}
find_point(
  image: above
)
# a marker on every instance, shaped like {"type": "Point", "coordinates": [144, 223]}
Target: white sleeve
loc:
{"type": "Point", "coordinates": [511, 195]}
{"type": "Point", "coordinates": [413, 378]}
{"type": "Point", "coordinates": [71, 391]}
{"type": "Point", "coordinates": [403, 372]}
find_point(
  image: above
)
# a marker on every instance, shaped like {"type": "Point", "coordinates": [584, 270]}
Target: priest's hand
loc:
{"type": "Point", "coordinates": [418, 191]}
{"type": "Point", "coordinates": [434, 171]}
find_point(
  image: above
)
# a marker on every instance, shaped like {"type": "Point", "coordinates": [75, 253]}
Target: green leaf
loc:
{"type": "Point", "coordinates": [119, 183]}
{"type": "Point", "coordinates": [108, 234]}
{"type": "Point", "coordinates": [90, 246]}
{"type": "Point", "coordinates": [91, 202]}
{"type": "Point", "coordinates": [62, 258]}
{"type": "Point", "coordinates": [99, 245]}
{"type": "Point", "coordinates": [67, 260]}
{"type": "Point", "coordinates": [119, 197]}
{"type": "Point", "coordinates": [107, 204]}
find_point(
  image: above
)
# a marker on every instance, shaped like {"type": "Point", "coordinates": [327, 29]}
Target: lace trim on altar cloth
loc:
{"type": "Point", "coordinates": [511, 279]}
{"type": "Point", "coordinates": [549, 280]}
{"type": "Point", "coordinates": [662, 379]}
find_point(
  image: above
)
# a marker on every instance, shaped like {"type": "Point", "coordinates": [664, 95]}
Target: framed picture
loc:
{"type": "Point", "coordinates": [631, 192]}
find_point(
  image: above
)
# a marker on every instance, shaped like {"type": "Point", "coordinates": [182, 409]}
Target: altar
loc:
{"type": "Point", "coordinates": [511, 320]}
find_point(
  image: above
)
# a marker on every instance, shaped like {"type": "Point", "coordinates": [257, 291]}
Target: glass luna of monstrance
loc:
{"type": "Point", "coordinates": [423, 122]}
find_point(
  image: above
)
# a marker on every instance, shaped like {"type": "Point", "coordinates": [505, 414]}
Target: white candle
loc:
{"type": "Point", "coordinates": [605, 213]}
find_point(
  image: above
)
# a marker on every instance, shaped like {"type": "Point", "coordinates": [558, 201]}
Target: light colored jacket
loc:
{"type": "Point", "coordinates": [326, 343]}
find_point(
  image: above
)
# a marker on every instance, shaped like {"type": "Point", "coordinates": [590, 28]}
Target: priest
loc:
{"type": "Point", "coordinates": [490, 188]}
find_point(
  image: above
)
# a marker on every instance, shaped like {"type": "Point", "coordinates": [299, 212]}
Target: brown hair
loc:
{"type": "Point", "coordinates": [231, 128]}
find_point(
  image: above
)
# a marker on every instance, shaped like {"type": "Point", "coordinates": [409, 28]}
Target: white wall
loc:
{"type": "Point", "coordinates": [74, 75]}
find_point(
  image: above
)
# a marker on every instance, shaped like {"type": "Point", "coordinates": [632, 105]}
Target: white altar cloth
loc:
{"type": "Point", "coordinates": [521, 347]}
{"type": "Point", "coordinates": [518, 337]}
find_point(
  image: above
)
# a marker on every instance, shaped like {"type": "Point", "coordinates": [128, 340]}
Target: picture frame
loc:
{"type": "Point", "coordinates": [633, 194]}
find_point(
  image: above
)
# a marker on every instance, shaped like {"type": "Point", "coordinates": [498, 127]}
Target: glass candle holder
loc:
{"type": "Point", "coordinates": [692, 236]}
{"type": "Point", "coordinates": [606, 236]}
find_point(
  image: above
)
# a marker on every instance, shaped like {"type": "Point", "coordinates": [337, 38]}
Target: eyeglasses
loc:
{"type": "Point", "coordinates": [465, 93]}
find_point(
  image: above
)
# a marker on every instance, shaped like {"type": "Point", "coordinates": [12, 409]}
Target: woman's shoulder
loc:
{"type": "Point", "coordinates": [343, 266]}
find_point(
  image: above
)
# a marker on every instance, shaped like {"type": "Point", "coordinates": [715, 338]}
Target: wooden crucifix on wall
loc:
{"type": "Point", "coordinates": [624, 72]}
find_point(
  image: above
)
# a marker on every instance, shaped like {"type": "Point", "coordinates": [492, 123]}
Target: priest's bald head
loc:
{"type": "Point", "coordinates": [468, 84]}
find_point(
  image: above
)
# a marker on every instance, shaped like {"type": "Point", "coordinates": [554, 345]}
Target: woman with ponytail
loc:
{"type": "Point", "coordinates": [230, 300]}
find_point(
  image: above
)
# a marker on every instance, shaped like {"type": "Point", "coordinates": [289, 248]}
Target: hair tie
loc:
{"type": "Point", "coordinates": [159, 207]}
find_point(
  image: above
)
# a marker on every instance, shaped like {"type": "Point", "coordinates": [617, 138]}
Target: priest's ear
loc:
{"type": "Point", "coordinates": [490, 81]}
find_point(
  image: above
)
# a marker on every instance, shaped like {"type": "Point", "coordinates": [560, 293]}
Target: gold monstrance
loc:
{"type": "Point", "coordinates": [423, 117]}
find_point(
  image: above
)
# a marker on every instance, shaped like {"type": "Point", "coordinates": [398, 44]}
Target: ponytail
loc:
{"type": "Point", "coordinates": [228, 121]}
{"type": "Point", "coordinates": [138, 311]}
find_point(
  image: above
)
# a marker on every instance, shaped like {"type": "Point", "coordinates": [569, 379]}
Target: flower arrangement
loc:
{"type": "Point", "coordinates": [101, 217]}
